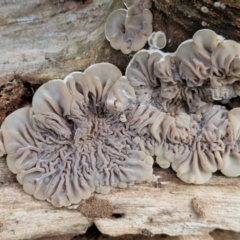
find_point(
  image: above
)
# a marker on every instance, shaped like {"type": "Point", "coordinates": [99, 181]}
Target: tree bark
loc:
{"type": "Point", "coordinates": [43, 40]}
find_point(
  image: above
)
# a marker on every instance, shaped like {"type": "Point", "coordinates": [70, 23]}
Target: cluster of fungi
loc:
{"type": "Point", "coordinates": [98, 129]}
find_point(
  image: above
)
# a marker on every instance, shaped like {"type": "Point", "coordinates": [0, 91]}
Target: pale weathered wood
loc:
{"type": "Point", "coordinates": [41, 40]}
{"type": "Point", "coordinates": [165, 207]}
{"type": "Point", "coordinates": [24, 218]}
{"type": "Point", "coordinates": [169, 209]}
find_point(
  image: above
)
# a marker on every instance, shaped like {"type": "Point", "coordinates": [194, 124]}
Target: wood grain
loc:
{"type": "Point", "coordinates": [168, 206]}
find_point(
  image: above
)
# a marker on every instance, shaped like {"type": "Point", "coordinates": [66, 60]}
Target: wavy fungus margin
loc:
{"type": "Point", "coordinates": [97, 129]}
{"type": "Point", "coordinates": [73, 140]}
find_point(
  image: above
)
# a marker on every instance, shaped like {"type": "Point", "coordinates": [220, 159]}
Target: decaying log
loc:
{"type": "Point", "coordinates": [46, 39]}
{"type": "Point", "coordinates": [165, 207]}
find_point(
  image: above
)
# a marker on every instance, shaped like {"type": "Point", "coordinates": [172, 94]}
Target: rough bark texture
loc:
{"type": "Point", "coordinates": [47, 39]}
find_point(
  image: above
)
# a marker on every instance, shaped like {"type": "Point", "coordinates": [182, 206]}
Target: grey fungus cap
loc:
{"type": "Point", "coordinates": [128, 30]}
{"type": "Point", "coordinates": [203, 69]}
{"type": "Point", "coordinates": [72, 142]}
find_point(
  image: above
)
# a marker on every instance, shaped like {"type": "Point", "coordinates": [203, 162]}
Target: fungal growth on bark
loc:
{"type": "Point", "coordinates": [97, 129]}
{"type": "Point", "coordinates": [157, 40]}
{"type": "Point", "coordinates": [128, 29]}
{"type": "Point", "coordinates": [203, 69]}
{"type": "Point", "coordinates": [191, 134]}
{"type": "Point", "coordinates": [73, 140]}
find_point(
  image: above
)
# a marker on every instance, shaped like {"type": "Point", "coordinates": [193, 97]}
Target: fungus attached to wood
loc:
{"type": "Point", "coordinates": [73, 141]}
{"type": "Point", "coordinates": [128, 30]}
{"type": "Point", "coordinates": [97, 129]}
{"type": "Point", "coordinates": [203, 69]}
{"type": "Point", "coordinates": [189, 133]}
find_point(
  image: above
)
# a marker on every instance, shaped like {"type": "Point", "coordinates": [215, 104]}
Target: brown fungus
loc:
{"type": "Point", "coordinates": [128, 30]}
{"type": "Point", "coordinates": [72, 141]}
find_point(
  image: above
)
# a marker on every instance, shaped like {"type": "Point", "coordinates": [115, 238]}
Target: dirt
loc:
{"type": "Point", "coordinates": [96, 208]}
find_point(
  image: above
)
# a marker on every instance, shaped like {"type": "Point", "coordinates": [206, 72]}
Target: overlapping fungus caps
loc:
{"type": "Point", "coordinates": [128, 30]}
{"type": "Point", "coordinates": [199, 144]}
{"type": "Point", "coordinates": [191, 134]}
{"type": "Point", "coordinates": [154, 77]}
{"type": "Point", "coordinates": [73, 140]}
{"type": "Point", "coordinates": [201, 70]}
{"type": "Point", "coordinates": [97, 129]}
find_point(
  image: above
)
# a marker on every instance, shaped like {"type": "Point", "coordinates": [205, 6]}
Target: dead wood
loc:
{"type": "Point", "coordinates": [48, 39]}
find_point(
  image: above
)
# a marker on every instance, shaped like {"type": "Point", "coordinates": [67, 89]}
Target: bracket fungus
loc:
{"type": "Point", "coordinates": [97, 129]}
{"type": "Point", "coordinates": [128, 30]}
{"type": "Point", "coordinates": [203, 69]}
{"type": "Point", "coordinates": [190, 133]}
{"type": "Point", "coordinates": [72, 141]}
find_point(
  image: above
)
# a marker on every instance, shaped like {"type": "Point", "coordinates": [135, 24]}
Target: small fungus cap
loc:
{"type": "Point", "coordinates": [157, 40]}
{"type": "Point", "coordinates": [115, 28]}
{"type": "Point", "coordinates": [207, 40]}
{"type": "Point", "coordinates": [225, 62]}
{"type": "Point", "coordinates": [128, 30]}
